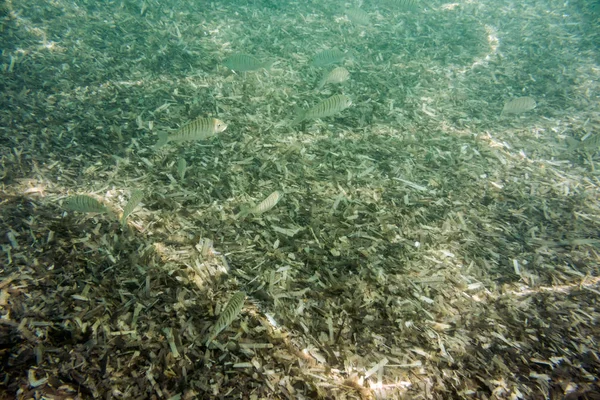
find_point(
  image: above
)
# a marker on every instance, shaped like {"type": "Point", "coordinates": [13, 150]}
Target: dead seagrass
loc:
{"type": "Point", "coordinates": [181, 168]}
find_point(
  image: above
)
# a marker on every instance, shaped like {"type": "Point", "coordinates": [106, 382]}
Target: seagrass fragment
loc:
{"type": "Point", "coordinates": [181, 168]}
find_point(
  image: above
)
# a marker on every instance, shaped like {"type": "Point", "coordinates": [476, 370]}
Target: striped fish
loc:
{"type": "Point", "coordinates": [246, 62]}
{"type": "Point", "coordinates": [84, 203]}
{"type": "Point", "coordinates": [268, 203]}
{"type": "Point", "coordinates": [590, 145]}
{"type": "Point", "coordinates": [134, 200]}
{"type": "Point", "coordinates": [228, 315]}
{"type": "Point", "coordinates": [198, 129]}
{"type": "Point", "coordinates": [518, 105]}
{"type": "Point", "coordinates": [327, 57]}
{"type": "Point", "coordinates": [404, 5]}
{"type": "Point", "coordinates": [358, 16]}
{"type": "Point", "coordinates": [326, 108]}
{"type": "Point", "coordinates": [336, 75]}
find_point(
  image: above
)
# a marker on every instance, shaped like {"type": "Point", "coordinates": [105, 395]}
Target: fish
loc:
{"type": "Point", "coordinates": [405, 5]}
{"type": "Point", "coordinates": [198, 129]}
{"type": "Point", "coordinates": [518, 105]}
{"type": "Point", "coordinates": [262, 207]}
{"type": "Point", "coordinates": [84, 203]}
{"type": "Point", "coordinates": [326, 108]}
{"type": "Point", "coordinates": [134, 200]}
{"type": "Point", "coordinates": [327, 57]}
{"type": "Point", "coordinates": [246, 63]}
{"type": "Point", "coordinates": [591, 142]}
{"type": "Point", "coordinates": [336, 75]}
{"type": "Point", "coordinates": [590, 145]}
{"type": "Point", "coordinates": [228, 315]}
{"type": "Point", "coordinates": [267, 204]}
{"type": "Point", "coordinates": [358, 16]}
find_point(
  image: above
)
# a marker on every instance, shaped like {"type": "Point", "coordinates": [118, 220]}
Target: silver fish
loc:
{"type": "Point", "coordinates": [404, 5]}
{"type": "Point", "coordinates": [134, 200]}
{"type": "Point", "coordinates": [246, 63]}
{"type": "Point", "coordinates": [358, 16]}
{"type": "Point", "coordinates": [262, 207]}
{"type": "Point", "coordinates": [327, 57]}
{"type": "Point", "coordinates": [228, 315]}
{"type": "Point", "coordinates": [518, 105]}
{"type": "Point", "coordinates": [268, 203]}
{"type": "Point", "coordinates": [84, 203]}
{"type": "Point", "coordinates": [326, 108]}
{"type": "Point", "coordinates": [336, 75]}
{"type": "Point", "coordinates": [198, 129]}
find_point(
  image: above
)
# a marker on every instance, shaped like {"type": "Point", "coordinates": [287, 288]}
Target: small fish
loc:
{"type": "Point", "coordinates": [134, 200]}
{"type": "Point", "coordinates": [228, 315]}
{"type": "Point", "coordinates": [262, 207]}
{"type": "Point", "coordinates": [590, 145]}
{"type": "Point", "coordinates": [327, 57]}
{"type": "Point", "coordinates": [246, 63]}
{"type": "Point", "coordinates": [326, 108]}
{"type": "Point", "coordinates": [336, 75]}
{"type": "Point", "coordinates": [198, 129]}
{"type": "Point", "coordinates": [404, 5]}
{"type": "Point", "coordinates": [358, 16]}
{"type": "Point", "coordinates": [268, 203]}
{"type": "Point", "coordinates": [518, 105]}
{"type": "Point", "coordinates": [84, 203]}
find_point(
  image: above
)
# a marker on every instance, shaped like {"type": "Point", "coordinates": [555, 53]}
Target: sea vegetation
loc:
{"type": "Point", "coordinates": [421, 236]}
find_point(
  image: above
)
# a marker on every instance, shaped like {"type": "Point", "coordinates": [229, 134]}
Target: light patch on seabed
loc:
{"type": "Point", "coordinates": [493, 42]}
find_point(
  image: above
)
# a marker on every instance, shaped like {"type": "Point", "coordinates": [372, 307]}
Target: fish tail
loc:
{"type": "Point", "coordinates": [268, 64]}
{"type": "Point", "coordinates": [245, 210]}
{"type": "Point", "coordinates": [299, 118]}
{"type": "Point", "coordinates": [163, 138]}
{"type": "Point", "coordinates": [210, 338]}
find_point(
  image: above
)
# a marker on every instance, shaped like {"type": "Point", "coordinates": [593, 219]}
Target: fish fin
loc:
{"type": "Point", "coordinates": [244, 211]}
